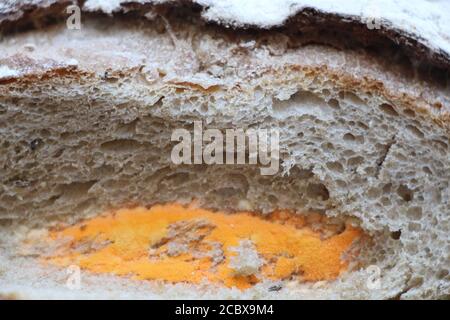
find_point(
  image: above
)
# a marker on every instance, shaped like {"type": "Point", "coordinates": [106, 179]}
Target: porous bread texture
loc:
{"type": "Point", "coordinates": [82, 130]}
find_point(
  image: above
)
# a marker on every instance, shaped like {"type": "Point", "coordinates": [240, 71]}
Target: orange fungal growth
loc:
{"type": "Point", "coordinates": [174, 243]}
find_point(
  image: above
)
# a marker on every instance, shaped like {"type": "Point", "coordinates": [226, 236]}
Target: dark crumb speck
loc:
{"type": "Point", "coordinates": [275, 288]}
{"type": "Point", "coordinates": [35, 144]}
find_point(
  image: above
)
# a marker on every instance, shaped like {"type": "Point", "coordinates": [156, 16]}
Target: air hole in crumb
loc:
{"type": "Point", "coordinates": [414, 130]}
{"type": "Point", "coordinates": [227, 192]}
{"type": "Point", "coordinates": [414, 213]}
{"type": "Point", "coordinates": [441, 144]}
{"type": "Point", "coordinates": [335, 166]}
{"type": "Point", "coordinates": [396, 234]}
{"type": "Point", "coordinates": [204, 108]}
{"type": "Point", "coordinates": [120, 146]}
{"type": "Point", "coordinates": [341, 184]}
{"type": "Point", "coordinates": [177, 178]}
{"type": "Point", "coordinates": [355, 161]}
{"type": "Point", "coordinates": [126, 130]}
{"type": "Point", "coordinates": [272, 199]}
{"type": "Point", "coordinates": [301, 174]}
{"type": "Point", "coordinates": [442, 274]}
{"type": "Point", "coordinates": [333, 103]}
{"type": "Point", "coordinates": [45, 133]}
{"type": "Point", "coordinates": [427, 170]}
{"type": "Point", "coordinates": [327, 146]}
{"type": "Point", "coordinates": [405, 193]}
{"type": "Point", "coordinates": [352, 97]}
{"type": "Point", "coordinates": [414, 227]}
{"type": "Point", "coordinates": [388, 109]}
{"type": "Point", "coordinates": [409, 113]}
{"type": "Point", "coordinates": [349, 137]}
{"type": "Point", "coordinates": [318, 191]}
{"type": "Point", "coordinates": [58, 153]}
{"type": "Point", "coordinates": [362, 125]}
{"type": "Point", "coordinates": [417, 281]}
{"type": "Point", "coordinates": [437, 105]}
{"type": "Point", "coordinates": [385, 201]}
{"type": "Point", "coordinates": [76, 190]}
{"type": "Point", "coordinates": [373, 193]}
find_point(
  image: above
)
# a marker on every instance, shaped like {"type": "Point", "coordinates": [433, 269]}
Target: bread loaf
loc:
{"type": "Point", "coordinates": [86, 119]}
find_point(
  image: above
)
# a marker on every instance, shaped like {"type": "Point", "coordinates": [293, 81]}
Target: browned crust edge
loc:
{"type": "Point", "coordinates": [343, 81]}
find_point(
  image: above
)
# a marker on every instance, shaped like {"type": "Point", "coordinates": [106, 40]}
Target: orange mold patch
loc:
{"type": "Point", "coordinates": [187, 244]}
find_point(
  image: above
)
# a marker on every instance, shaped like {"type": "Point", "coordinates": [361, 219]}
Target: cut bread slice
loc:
{"type": "Point", "coordinates": [86, 118]}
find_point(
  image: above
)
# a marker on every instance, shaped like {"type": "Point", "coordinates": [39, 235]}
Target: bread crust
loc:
{"type": "Point", "coordinates": [350, 69]}
{"type": "Point", "coordinates": [26, 14]}
{"type": "Point", "coordinates": [43, 71]}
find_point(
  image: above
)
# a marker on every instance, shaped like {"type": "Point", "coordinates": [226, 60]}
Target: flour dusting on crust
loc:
{"type": "Point", "coordinates": [426, 21]}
